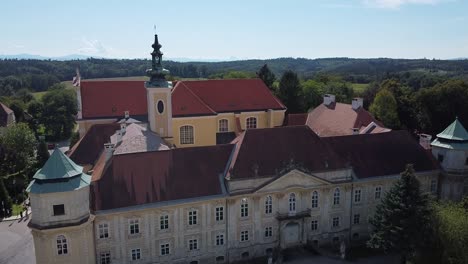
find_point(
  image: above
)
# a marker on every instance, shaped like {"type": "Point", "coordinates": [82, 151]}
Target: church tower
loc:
{"type": "Point", "coordinates": [61, 223]}
{"type": "Point", "coordinates": [158, 92]}
{"type": "Point", "coordinates": [450, 148]}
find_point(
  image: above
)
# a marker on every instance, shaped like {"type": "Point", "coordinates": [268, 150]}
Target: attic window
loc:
{"type": "Point", "coordinates": [59, 209]}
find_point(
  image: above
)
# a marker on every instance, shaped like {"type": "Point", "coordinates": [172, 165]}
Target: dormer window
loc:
{"type": "Point", "coordinates": [59, 209]}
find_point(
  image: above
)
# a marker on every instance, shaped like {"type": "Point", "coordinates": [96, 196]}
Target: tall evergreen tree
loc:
{"type": "Point", "coordinates": [42, 154]}
{"type": "Point", "coordinates": [290, 91]}
{"type": "Point", "coordinates": [267, 76]}
{"type": "Point", "coordinates": [402, 221]}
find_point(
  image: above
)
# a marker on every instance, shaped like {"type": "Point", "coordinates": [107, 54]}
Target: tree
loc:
{"type": "Point", "coordinates": [267, 76]}
{"type": "Point", "coordinates": [289, 91]}
{"type": "Point", "coordinates": [401, 221]}
{"type": "Point", "coordinates": [59, 111]}
{"type": "Point", "coordinates": [17, 149]}
{"type": "Point", "coordinates": [5, 201]}
{"type": "Point", "coordinates": [312, 91]}
{"type": "Point", "coordinates": [17, 107]}
{"type": "Point", "coordinates": [42, 154]}
{"type": "Point", "coordinates": [385, 109]}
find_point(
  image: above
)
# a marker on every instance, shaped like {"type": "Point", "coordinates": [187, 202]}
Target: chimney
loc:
{"type": "Point", "coordinates": [328, 99]}
{"type": "Point", "coordinates": [356, 103]}
{"type": "Point", "coordinates": [127, 114]}
{"type": "Point", "coordinates": [109, 150]}
{"type": "Point", "coordinates": [123, 128]}
{"type": "Point", "coordinates": [425, 141]}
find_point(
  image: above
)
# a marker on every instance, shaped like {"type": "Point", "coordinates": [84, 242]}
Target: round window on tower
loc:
{"type": "Point", "coordinates": [160, 107]}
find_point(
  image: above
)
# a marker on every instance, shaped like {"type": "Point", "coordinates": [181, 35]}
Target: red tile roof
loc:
{"type": "Point", "coordinates": [149, 177]}
{"type": "Point", "coordinates": [270, 150]}
{"type": "Point", "coordinates": [296, 119]}
{"type": "Point", "coordinates": [87, 150]}
{"type": "Point", "coordinates": [227, 96]}
{"type": "Point", "coordinates": [4, 113]}
{"type": "Point", "coordinates": [101, 99]}
{"type": "Point", "coordinates": [338, 119]}
{"type": "Point", "coordinates": [382, 154]}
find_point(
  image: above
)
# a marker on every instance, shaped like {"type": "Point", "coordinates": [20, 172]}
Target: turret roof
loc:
{"type": "Point", "coordinates": [58, 166]}
{"type": "Point", "coordinates": [454, 131]}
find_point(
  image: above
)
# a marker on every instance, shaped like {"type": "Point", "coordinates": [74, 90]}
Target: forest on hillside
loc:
{"type": "Point", "coordinates": [38, 75]}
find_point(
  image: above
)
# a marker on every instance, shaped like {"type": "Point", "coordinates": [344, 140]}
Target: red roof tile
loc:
{"type": "Point", "coordinates": [382, 154]}
{"type": "Point", "coordinates": [296, 119]}
{"type": "Point", "coordinates": [272, 148]}
{"type": "Point", "coordinates": [90, 146]}
{"type": "Point", "coordinates": [102, 99]}
{"type": "Point", "coordinates": [149, 177]}
{"type": "Point", "coordinates": [338, 119]}
{"type": "Point", "coordinates": [232, 95]}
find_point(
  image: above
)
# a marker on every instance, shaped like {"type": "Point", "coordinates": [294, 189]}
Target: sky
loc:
{"type": "Point", "coordinates": [237, 29]}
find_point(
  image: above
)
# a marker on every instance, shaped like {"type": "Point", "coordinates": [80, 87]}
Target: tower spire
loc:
{"type": "Point", "coordinates": [157, 72]}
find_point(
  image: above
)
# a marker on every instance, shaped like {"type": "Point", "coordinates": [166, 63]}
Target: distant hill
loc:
{"type": "Point", "coordinates": [38, 74]}
{"type": "Point", "coordinates": [25, 56]}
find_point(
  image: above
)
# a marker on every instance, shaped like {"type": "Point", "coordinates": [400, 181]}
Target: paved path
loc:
{"type": "Point", "coordinates": [16, 242]}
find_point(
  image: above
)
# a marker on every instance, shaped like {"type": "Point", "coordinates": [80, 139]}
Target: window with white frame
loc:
{"type": "Point", "coordinates": [315, 199]}
{"type": "Point", "coordinates": [136, 254]}
{"type": "Point", "coordinates": [104, 257]}
{"type": "Point", "coordinates": [186, 135]}
{"type": "Point", "coordinates": [314, 225]}
{"type": "Point", "coordinates": [268, 205]}
{"type": "Point", "coordinates": [292, 203]}
{"type": "Point", "coordinates": [336, 222]}
{"type": "Point", "coordinates": [103, 229]}
{"type": "Point", "coordinates": [134, 226]}
{"type": "Point", "coordinates": [220, 239]}
{"type": "Point", "coordinates": [244, 236]}
{"type": "Point", "coordinates": [165, 249]}
{"type": "Point", "coordinates": [378, 192]}
{"type": "Point", "coordinates": [62, 245]}
{"type": "Point", "coordinates": [164, 222]}
{"type": "Point", "coordinates": [357, 196]}
{"type": "Point", "coordinates": [219, 213]}
{"type": "Point", "coordinates": [192, 217]}
{"type": "Point", "coordinates": [244, 208]}
{"type": "Point", "coordinates": [336, 197]}
{"type": "Point", "coordinates": [251, 122]}
{"type": "Point", "coordinates": [268, 231]}
{"type": "Point", "coordinates": [193, 244]}
{"type": "Point", "coordinates": [223, 125]}
{"type": "Point", "coordinates": [356, 219]}
{"type": "Point", "coordinates": [433, 186]}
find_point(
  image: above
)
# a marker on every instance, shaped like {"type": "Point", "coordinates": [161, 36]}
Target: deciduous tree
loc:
{"type": "Point", "coordinates": [385, 108]}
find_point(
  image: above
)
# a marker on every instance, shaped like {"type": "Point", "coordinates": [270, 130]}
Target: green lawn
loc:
{"type": "Point", "coordinates": [38, 95]}
{"type": "Point", "coordinates": [359, 87]}
{"type": "Point", "coordinates": [17, 208]}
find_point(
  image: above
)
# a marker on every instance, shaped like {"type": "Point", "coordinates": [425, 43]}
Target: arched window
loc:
{"type": "Point", "coordinates": [251, 122]}
{"type": "Point", "coordinates": [223, 125]}
{"type": "Point", "coordinates": [315, 199]}
{"type": "Point", "coordinates": [186, 135]}
{"type": "Point", "coordinates": [62, 246]}
{"type": "Point", "coordinates": [160, 107]}
{"type": "Point", "coordinates": [292, 203]}
{"type": "Point", "coordinates": [336, 197]}
{"type": "Point", "coordinates": [244, 207]}
{"type": "Point", "coordinates": [268, 205]}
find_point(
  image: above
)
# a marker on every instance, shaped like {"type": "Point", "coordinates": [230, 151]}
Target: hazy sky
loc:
{"type": "Point", "coordinates": [222, 29]}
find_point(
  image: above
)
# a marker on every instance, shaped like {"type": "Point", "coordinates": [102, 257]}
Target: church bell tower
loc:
{"type": "Point", "coordinates": [158, 93]}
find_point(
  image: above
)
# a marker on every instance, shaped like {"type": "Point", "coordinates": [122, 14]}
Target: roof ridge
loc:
{"type": "Point", "coordinates": [198, 98]}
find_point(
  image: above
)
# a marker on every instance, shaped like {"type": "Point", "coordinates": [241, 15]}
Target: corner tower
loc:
{"type": "Point", "coordinates": [61, 223]}
{"type": "Point", "coordinates": [158, 93]}
{"type": "Point", "coordinates": [450, 148]}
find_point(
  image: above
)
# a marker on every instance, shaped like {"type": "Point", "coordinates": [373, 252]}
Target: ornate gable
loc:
{"type": "Point", "coordinates": [292, 179]}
